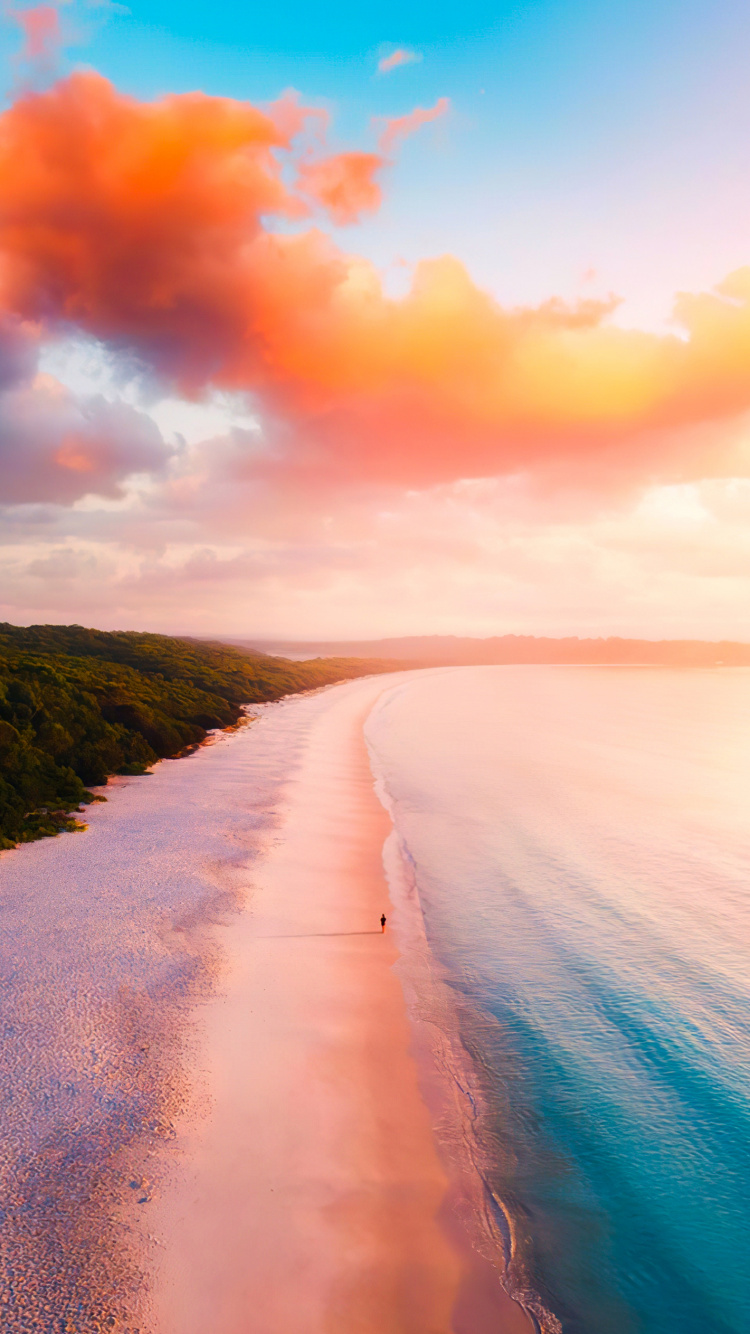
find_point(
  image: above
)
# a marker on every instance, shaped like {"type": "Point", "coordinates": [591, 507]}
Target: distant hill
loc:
{"type": "Point", "coordinates": [449, 650]}
{"type": "Point", "coordinates": [77, 705]}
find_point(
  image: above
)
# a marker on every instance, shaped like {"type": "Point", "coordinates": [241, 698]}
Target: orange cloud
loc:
{"type": "Point", "coordinates": [133, 219]}
{"type": "Point", "coordinates": [400, 127]}
{"type": "Point", "coordinates": [343, 184]}
{"type": "Point", "coordinates": [148, 225]}
{"type": "Point", "coordinates": [401, 56]}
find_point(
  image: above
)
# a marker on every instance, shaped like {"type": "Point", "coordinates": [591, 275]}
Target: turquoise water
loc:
{"type": "Point", "coordinates": [580, 840]}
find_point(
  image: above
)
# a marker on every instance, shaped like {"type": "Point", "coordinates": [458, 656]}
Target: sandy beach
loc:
{"type": "Point", "coordinates": [214, 1094]}
{"type": "Point", "coordinates": [307, 1197]}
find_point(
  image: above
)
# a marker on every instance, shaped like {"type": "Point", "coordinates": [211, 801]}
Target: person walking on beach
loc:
{"type": "Point", "coordinates": [382, 923]}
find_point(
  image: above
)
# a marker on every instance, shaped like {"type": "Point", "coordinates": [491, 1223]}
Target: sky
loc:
{"type": "Point", "coordinates": [378, 320]}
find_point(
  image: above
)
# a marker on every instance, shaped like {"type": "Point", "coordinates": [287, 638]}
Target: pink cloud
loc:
{"type": "Point", "coordinates": [400, 127]}
{"type": "Point", "coordinates": [43, 40]}
{"type": "Point", "coordinates": [56, 448]}
{"type": "Point", "coordinates": [291, 117]}
{"type": "Point", "coordinates": [401, 56]}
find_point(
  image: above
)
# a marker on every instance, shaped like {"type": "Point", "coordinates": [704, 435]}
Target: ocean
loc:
{"type": "Point", "coordinates": [578, 841]}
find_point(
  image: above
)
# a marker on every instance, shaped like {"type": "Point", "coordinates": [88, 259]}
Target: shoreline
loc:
{"type": "Point", "coordinates": [311, 1192]}
{"type": "Point", "coordinates": [479, 1222]}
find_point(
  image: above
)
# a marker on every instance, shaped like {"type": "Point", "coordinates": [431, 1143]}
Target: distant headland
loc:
{"type": "Point", "coordinates": [452, 650]}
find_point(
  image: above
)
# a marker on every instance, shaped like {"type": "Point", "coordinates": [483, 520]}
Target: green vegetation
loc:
{"type": "Point", "coordinates": [77, 705]}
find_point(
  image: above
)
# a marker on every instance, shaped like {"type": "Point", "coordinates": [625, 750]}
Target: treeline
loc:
{"type": "Point", "coordinates": [78, 705]}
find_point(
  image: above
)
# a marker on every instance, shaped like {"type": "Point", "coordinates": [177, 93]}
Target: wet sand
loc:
{"type": "Point", "coordinates": [307, 1197]}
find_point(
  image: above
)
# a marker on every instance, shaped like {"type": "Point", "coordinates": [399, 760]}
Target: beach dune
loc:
{"type": "Point", "coordinates": [306, 1196]}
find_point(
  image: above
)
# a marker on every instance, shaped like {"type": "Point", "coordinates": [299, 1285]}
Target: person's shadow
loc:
{"type": "Point", "coordinates": [307, 935]}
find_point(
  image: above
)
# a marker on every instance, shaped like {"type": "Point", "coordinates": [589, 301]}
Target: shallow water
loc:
{"type": "Point", "coordinates": [581, 847]}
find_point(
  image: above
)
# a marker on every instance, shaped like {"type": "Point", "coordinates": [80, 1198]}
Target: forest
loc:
{"type": "Point", "coordinates": [78, 705]}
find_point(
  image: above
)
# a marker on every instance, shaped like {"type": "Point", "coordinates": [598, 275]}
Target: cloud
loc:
{"type": "Point", "coordinates": [290, 117]}
{"type": "Point", "coordinates": [344, 462]}
{"type": "Point", "coordinates": [478, 558]}
{"type": "Point", "coordinates": [151, 226]}
{"type": "Point", "coordinates": [401, 56]}
{"type": "Point", "coordinates": [56, 447]}
{"type": "Point", "coordinates": [400, 127]}
{"type": "Point", "coordinates": [142, 213]}
{"type": "Point", "coordinates": [43, 40]}
{"type": "Point", "coordinates": [343, 184]}
{"type": "Point", "coordinates": [18, 352]}
{"type": "Point", "coordinates": [41, 29]}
